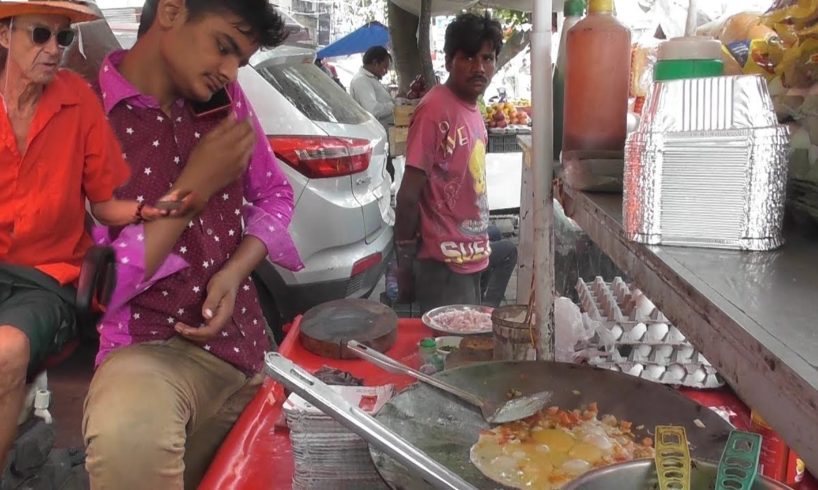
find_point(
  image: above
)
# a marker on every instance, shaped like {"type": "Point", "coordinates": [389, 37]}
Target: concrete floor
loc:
{"type": "Point", "coordinates": [69, 384]}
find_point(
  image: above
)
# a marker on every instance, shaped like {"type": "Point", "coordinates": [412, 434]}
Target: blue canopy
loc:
{"type": "Point", "coordinates": [358, 41]}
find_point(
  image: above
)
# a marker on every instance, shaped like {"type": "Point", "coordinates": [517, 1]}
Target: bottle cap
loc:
{"type": "Point", "coordinates": [600, 6]}
{"type": "Point", "coordinates": [690, 48]}
{"type": "Point", "coordinates": [428, 343]}
{"type": "Point", "coordinates": [574, 8]}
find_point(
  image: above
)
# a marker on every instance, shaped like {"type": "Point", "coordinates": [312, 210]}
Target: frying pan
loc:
{"type": "Point", "coordinates": [445, 428]}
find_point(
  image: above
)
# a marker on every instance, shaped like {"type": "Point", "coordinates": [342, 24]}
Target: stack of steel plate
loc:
{"type": "Point", "coordinates": [707, 166]}
{"type": "Point", "coordinates": [327, 455]}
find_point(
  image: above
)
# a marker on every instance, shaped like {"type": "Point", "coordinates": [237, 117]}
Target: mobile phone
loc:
{"type": "Point", "coordinates": [168, 205]}
{"type": "Point", "coordinates": [218, 103]}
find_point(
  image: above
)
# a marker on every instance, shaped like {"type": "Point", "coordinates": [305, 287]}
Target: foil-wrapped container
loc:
{"type": "Point", "coordinates": [707, 166]}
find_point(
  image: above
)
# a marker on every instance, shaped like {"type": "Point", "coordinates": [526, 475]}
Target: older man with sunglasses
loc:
{"type": "Point", "coordinates": [56, 151]}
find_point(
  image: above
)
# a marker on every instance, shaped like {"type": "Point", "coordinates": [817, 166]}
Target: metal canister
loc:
{"type": "Point", "coordinates": [513, 336]}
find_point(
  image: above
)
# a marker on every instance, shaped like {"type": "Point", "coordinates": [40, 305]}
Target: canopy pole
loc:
{"type": "Point", "coordinates": [543, 165]}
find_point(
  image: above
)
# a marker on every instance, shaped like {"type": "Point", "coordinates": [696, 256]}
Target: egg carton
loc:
{"type": "Point", "coordinates": [663, 355]}
{"type": "Point", "coordinates": [629, 316]}
{"type": "Point", "coordinates": [688, 375]}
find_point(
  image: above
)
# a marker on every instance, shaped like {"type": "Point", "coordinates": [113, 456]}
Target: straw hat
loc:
{"type": "Point", "coordinates": [76, 10]}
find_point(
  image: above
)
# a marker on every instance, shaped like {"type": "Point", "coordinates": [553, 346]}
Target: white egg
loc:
{"type": "Point", "coordinates": [674, 336]}
{"type": "Point", "coordinates": [616, 332]}
{"type": "Point", "coordinates": [654, 372]}
{"type": "Point", "coordinates": [698, 375]}
{"type": "Point", "coordinates": [643, 308]}
{"type": "Point", "coordinates": [642, 352]}
{"type": "Point", "coordinates": [662, 353]}
{"type": "Point", "coordinates": [636, 332]}
{"type": "Point", "coordinates": [598, 440]}
{"type": "Point", "coordinates": [675, 373]}
{"type": "Point", "coordinates": [635, 370]}
{"type": "Point", "coordinates": [656, 332]}
{"type": "Point", "coordinates": [684, 353]}
{"type": "Point", "coordinates": [576, 466]}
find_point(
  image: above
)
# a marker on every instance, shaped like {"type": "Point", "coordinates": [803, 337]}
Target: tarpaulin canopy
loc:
{"type": "Point", "coordinates": [358, 41]}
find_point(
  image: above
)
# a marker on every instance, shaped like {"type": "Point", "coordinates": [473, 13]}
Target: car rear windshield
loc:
{"type": "Point", "coordinates": [314, 93]}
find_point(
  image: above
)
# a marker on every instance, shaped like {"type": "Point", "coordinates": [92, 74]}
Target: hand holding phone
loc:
{"type": "Point", "coordinates": [176, 203]}
{"type": "Point", "coordinates": [218, 159]}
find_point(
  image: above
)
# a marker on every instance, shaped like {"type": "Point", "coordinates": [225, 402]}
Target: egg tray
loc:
{"type": "Point", "coordinates": [633, 336]}
{"type": "Point", "coordinates": [663, 355]}
{"type": "Point", "coordinates": [629, 317]}
{"type": "Point", "coordinates": [697, 376]}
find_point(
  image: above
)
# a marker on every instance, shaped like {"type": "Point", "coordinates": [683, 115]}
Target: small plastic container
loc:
{"type": "Point", "coordinates": [427, 348]}
{"type": "Point", "coordinates": [688, 57]}
{"type": "Point", "coordinates": [430, 361]}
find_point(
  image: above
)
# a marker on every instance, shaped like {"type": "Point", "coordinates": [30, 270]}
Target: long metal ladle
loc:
{"type": "Point", "coordinates": [494, 413]}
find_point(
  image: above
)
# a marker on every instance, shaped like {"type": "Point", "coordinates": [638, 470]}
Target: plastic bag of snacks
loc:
{"type": "Point", "coordinates": [747, 45]}
{"type": "Point", "coordinates": [794, 53]}
{"type": "Point", "coordinates": [643, 59]}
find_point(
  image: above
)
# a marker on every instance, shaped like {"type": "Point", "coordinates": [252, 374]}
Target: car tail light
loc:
{"type": "Point", "coordinates": [366, 263]}
{"type": "Point", "coordinates": [323, 157]}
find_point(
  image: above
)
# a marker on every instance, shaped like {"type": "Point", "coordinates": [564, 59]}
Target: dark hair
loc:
{"type": "Point", "coordinates": [266, 26]}
{"type": "Point", "coordinates": [376, 54]}
{"type": "Point", "coordinates": [468, 32]}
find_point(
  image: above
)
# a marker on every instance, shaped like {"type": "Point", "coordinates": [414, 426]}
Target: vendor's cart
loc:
{"type": "Point", "coordinates": [749, 313]}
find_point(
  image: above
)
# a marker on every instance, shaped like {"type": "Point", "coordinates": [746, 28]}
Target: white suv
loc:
{"type": "Point", "coordinates": [334, 154]}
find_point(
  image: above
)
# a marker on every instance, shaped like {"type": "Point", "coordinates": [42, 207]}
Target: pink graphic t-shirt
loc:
{"type": "Point", "coordinates": [447, 141]}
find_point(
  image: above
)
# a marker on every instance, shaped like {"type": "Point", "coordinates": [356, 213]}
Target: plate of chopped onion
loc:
{"type": "Point", "coordinates": [460, 319]}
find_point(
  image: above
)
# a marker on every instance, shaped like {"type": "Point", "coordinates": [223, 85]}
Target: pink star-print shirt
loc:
{"type": "Point", "coordinates": [157, 146]}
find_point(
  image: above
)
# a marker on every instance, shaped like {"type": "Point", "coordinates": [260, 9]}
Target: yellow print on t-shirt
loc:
{"type": "Point", "coordinates": [477, 167]}
{"type": "Point", "coordinates": [465, 252]}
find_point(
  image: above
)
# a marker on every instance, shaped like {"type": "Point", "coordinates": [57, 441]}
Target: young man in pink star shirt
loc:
{"type": "Point", "coordinates": [182, 342]}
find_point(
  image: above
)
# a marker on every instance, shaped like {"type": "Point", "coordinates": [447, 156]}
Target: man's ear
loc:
{"type": "Point", "coordinates": [170, 13]}
{"type": "Point", "coordinates": [5, 36]}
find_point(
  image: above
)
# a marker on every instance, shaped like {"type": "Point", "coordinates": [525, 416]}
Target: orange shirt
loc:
{"type": "Point", "coordinates": [72, 154]}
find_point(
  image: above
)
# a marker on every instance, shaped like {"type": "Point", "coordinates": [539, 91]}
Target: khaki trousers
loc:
{"type": "Point", "coordinates": [157, 412]}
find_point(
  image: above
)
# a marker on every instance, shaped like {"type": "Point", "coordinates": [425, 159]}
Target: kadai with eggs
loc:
{"type": "Point", "coordinates": [554, 446]}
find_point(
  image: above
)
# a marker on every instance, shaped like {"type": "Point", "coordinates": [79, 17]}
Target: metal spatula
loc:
{"type": "Point", "coordinates": [494, 413]}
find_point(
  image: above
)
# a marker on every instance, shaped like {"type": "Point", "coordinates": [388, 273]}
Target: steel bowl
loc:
{"type": "Point", "coordinates": [429, 319]}
{"type": "Point", "coordinates": [641, 475]}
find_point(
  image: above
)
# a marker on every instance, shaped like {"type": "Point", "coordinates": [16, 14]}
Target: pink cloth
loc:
{"type": "Point", "coordinates": [447, 140]}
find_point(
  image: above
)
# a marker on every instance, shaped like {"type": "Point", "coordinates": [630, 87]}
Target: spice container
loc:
{"type": "Point", "coordinates": [430, 360]}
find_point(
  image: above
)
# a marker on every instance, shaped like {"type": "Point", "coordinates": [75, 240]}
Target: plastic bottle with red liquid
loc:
{"type": "Point", "coordinates": [598, 50]}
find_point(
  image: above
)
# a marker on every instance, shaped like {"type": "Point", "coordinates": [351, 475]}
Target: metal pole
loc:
{"type": "Point", "coordinates": [690, 25]}
{"type": "Point", "coordinates": [543, 165]}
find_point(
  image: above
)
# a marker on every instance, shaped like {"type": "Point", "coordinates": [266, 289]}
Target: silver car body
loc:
{"type": "Point", "coordinates": [342, 225]}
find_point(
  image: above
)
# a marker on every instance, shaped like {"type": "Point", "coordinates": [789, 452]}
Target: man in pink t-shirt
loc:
{"type": "Point", "coordinates": [442, 217]}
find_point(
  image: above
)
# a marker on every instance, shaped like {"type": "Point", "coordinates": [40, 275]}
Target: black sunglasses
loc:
{"type": "Point", "coordinates": [41, 35]}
